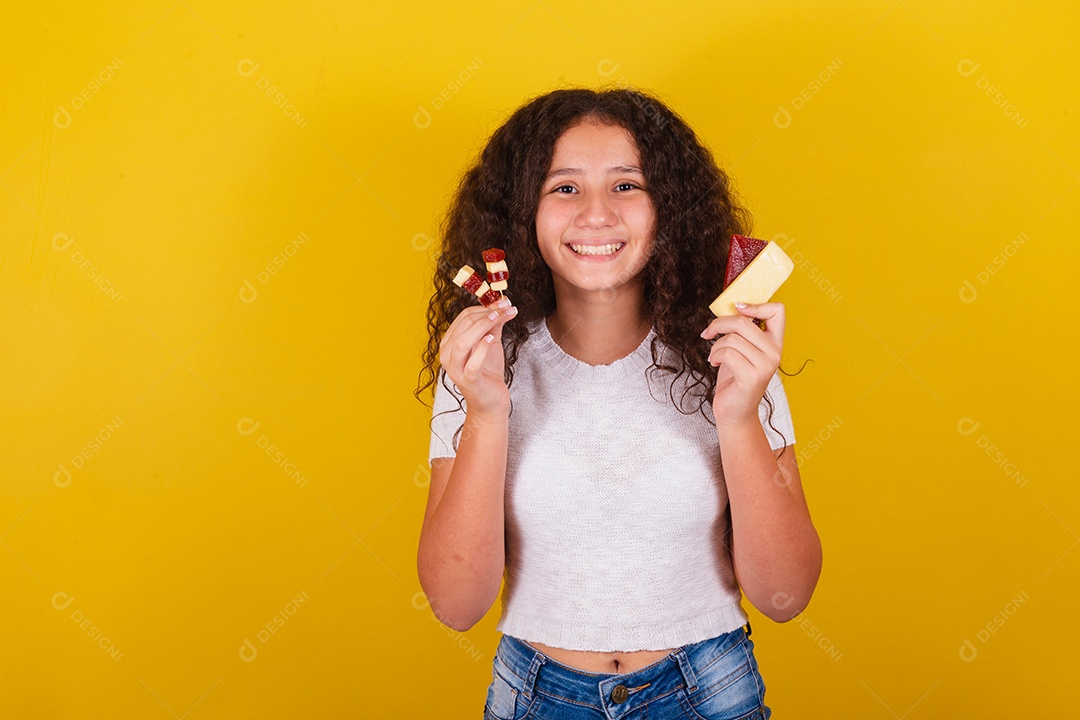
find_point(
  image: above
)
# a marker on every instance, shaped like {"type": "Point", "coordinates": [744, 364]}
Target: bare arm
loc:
{"type": "Point", "coordinates": [461, 554]}
{"type": "Point", "coordinates": [775, 549]}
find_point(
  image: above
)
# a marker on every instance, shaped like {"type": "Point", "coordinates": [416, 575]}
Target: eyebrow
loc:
{"type": "Point", "coordinates": [579, 171]}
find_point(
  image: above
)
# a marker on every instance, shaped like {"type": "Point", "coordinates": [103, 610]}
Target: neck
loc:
{"type": "Point", "coordinates": [598, 328]}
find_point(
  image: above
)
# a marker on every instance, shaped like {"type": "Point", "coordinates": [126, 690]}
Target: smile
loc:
{"type": "Point", "coordinates": [610, 249]}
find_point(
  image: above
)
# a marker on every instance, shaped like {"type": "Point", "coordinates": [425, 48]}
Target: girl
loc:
{"type": "Point", "coordinates": [590, 443]}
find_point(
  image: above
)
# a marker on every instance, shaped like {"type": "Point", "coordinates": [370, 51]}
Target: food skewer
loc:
{"type": "Point", "coordinates": [487, 291]}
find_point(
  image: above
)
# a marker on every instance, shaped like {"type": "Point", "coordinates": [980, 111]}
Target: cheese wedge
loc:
{"type": "Point", "coordinates": [757, 282]}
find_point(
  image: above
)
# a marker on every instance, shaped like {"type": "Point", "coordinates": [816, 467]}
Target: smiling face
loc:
{"type": "Point", "coordinates": [595, 220]}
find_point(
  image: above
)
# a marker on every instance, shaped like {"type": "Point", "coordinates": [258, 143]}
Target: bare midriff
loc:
{"type": "Point", "coordinates": [603, 662]}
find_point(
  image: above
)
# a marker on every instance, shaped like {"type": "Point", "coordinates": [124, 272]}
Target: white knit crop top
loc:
{"type": "Point", "coordinates": [616, 504]}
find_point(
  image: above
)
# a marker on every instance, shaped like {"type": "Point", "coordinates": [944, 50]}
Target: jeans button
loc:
{"type": "Point", "coordinates": [619, 694]}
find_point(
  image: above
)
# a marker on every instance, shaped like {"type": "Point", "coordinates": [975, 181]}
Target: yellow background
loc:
{"type": "Point", "coordinates": [185, 255]}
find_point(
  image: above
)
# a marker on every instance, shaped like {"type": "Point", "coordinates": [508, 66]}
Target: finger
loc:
{"type": "Point", "coordinates": [734, 363]}
{"type": "Point", "coordinates": [743, 328]}
{"type": "Point", "coordinates": [754, 355]}
{"type": "Point", "coordinates": [477, 327]}
{"type": "Point", "coordinates": [728, 324]}
{"type": "Point", "coordinates": [773, 313]}
{"type": "Point", "coordinates": [726, 354]}
{"type": "Point", "coordinates": [509, 314]}
{"type": "Point", "coordinates": [475, 364]}
{"type": "Point", "coordinates": [469, 328]}
{"type": "Point", "coordinates": [451, 345]}
{"type": "Point", "coordinates": [464, 319]}
{"type": "Point", "coordinates": [747, 331]}
{"type": "Point", "coordinates": [723, 377]}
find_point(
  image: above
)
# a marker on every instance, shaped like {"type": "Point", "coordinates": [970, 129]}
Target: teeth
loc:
{"type": "Point", "coordinates": [610, 249]}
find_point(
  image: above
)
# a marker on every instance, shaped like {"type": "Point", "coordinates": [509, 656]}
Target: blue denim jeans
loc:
{"type": "Point", "coordinates": [715, 679]}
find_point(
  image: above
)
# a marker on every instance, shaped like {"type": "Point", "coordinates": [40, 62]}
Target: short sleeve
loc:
{"type": "Point", "coordinates": [781, 415]}
{"type": "Point", "coordinates": [447, 417]}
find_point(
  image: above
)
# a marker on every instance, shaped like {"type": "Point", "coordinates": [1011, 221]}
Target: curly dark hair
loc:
{"type": "Point", "coordinates": [696, 214]}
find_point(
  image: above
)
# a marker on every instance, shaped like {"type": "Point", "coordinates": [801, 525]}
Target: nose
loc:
{"type": "Point", "coordinates": [597, 212]}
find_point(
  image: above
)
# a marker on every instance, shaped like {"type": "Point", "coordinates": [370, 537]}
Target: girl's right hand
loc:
{"type": "Point", "coordinates": [471, 353]}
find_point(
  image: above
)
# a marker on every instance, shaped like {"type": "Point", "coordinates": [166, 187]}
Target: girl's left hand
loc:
{"type": "Point", "coordinates": [747, 358]}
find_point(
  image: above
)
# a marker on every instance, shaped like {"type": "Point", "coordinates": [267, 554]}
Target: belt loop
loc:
{"type": "Point", "coordinates": [748, 629]}
{"type": "Point", "coordinates": [530, 678]}
{"type": "Point", "coordinates": [688, 672]}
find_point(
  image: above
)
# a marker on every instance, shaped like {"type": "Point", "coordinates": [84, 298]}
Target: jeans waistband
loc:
{"type": "Point", "coordinates": [536, 671]}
